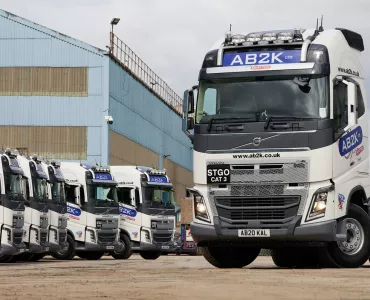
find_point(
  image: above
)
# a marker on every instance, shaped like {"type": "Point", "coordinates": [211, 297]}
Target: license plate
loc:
{"type": "Point", "coordinates": [21, 250]}
{"type": "Point", "coordinates": [46, 248]}
{"type": "Point", "coordinates": [165, 247]}
{"type": "Point", "coordinates": [218, 174]}
{"type": "Point", "coordinates": [254, 232]}
{"type": "Point", "coordinates": [110, 247]}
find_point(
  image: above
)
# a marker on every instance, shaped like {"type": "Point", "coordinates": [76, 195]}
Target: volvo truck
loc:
{"type": "Point", "coordinates": [11, 207]}
{"type": "Point", "coordinates": [279, 126]}
{"type": "Point", "coordinates": [57, 206]}
{"type": "Point", "coordinates": [36, 219]}
{"type": "Point", "coordinates": [147, 211]}
{"type": "Point", "coordinates": [92, 212]}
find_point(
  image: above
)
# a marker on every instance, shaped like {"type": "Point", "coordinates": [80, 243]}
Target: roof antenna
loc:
{"type": "Point", "coordinates": [321, 29]}
{"type": "Point", "coordinates": [230, 27]}
{"type": "Point", "coordinates": [317, 27]}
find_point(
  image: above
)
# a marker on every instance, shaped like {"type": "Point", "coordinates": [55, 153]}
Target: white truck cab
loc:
{"type": "Point", "coordinates": [57, 207]}
{"type": "Point", "coordinates": [147, 211]}
{"type": "Point", "coordinates": [92, 210]}
{"type": "Point", "coordinates": [11, 207]}
{"type": "Point", "coordinates": [281, 150]}
{"type": "Point", "coordinates": [36, 216]}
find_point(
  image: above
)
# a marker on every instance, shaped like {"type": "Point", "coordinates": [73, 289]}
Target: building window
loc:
{"type": "Point", "coordinates": [44, 81]}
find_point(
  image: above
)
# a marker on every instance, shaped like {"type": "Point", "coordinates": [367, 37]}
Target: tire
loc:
{"type": "Point", "coordinates": [93, 255]}
{"type": "Point", "coordinates": [354, 252]}
{"type": "Point", "coordinates": [126, 252]}
{"type": "Point", "coordinates": [295, 257]}
{"type": "Point", "coordinates": [36, 256]}
{"type": "Point", "coordinates": [66, 254]}
{"type": "Point", "coordinates": [230, 257]}
{"type": "Point", "coordinates": [81, 254]}
{"type": "Point", "coordinates": [13, 259]}
{"type": "Point", "coordinates": [5, 258]}
{"type": "Point", "coordinates": [150, 255]}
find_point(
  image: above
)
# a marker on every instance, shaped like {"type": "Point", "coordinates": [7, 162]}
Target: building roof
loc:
{"type": "Point", "coordinates": [51, 33]}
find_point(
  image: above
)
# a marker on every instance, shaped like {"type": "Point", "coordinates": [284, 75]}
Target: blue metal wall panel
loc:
{"type": "Point", "coordinates": [26, 44]}
{"type": "Point", "coordinates": [143, 118]}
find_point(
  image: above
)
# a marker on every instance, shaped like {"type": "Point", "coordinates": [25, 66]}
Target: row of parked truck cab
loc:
{"type": "Point", "coordinates": [68, 208]}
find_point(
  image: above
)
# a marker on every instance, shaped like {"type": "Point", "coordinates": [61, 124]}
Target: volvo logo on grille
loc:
{"type": "Point", "coordinates": [257, 141]}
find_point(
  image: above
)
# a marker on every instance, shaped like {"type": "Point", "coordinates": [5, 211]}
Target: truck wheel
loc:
{"type": "Point", "coordinates": [150, 255]}
{"type": "Point", "coordinates": [353, 252]}
{"type": "Point", "coordinates": [231, 257]}
{"type": "Point", "coordinates": [126, 250]}
{"type": "Point", "coordinates": [294, 257]}
{"type": "Point", "coordinates": [5, 258]}
{"type": "Point", "coordinates": [66, 254]}
{"type": "Point", "coordinates": [36, 256]}
{"type": "Point", "coordinates": [81, 254]}
{"type": "Point", "coordinates": [93, 255]}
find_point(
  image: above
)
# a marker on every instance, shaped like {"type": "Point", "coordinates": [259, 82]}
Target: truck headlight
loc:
{"type": "Point", "coordinates": [200, 209]}
{"type": "Point", "coordinates": [318, 203]}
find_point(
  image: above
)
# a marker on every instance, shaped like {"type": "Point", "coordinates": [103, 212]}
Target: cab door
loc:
{"type": "Point", "coordinates": [75, 215]}
{"type": "Point", "coordinates": [350, 167]}
{"type": "Point", "coordinates": [130, 218]}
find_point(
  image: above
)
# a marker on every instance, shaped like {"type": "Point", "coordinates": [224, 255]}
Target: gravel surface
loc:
{"type": "Point", "coordinates": [176, 277]}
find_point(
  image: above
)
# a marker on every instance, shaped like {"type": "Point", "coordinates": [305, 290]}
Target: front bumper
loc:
{"type": "Point", "coordinates": [116, 246]}
{"type": "Point", "coordinates": [322, 232]}
{"type": "Point", "coordinates": [170, 247]}
{"type": "Point", "coordinates": [6, 249]}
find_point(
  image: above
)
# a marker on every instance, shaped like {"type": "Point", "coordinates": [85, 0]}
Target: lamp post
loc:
{"type": "Point", "coordinates": [114, 22]}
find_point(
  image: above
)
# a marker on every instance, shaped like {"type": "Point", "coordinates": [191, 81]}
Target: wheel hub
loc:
{"type": "Point", "coordinates": [355, 238]}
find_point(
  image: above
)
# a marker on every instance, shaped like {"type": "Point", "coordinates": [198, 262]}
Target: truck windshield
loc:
{"type": "Point", "coordinates": [58, 192]}
{"type": "Point", "coordinates": [159, 197]}
{"type": "Point", "coordinates": [102, 195]}
{"type": "Point", "coordinates": [13, 186]}
{"type": "Point", "coordinates": [260, 97]}
{"type": "Point", "coordinates": [39, 190]}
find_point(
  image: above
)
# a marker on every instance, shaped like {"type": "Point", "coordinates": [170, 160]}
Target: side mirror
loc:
{"type": "Point", "coordinates": [190, 123]}
{"type": "Point", "coordinates": [132, 197]}
{"type": "Point", "coordinates": [352, 103]}
{"type": "Point", "coordinates": [187, 109]}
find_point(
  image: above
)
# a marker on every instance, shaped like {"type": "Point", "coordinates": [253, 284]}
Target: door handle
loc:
{"type": "Point", "coordinates": [234, 127]}
{"type": "Point", "coordinates": [279, 126]}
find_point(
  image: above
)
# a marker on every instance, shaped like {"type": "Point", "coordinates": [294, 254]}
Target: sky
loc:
{"type": "Point", "coordinates": [172, 36]}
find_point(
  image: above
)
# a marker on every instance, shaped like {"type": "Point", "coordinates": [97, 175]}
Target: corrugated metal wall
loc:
{"type": "Point", "coordinates": [57, 142]}
{"type": "Point", "coordinates": [56, 81]}
{"type": "Point", "coordinates": [145, 119]}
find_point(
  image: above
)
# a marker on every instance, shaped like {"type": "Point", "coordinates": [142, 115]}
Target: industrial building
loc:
{"type": "Point", "coordinates": [56, 93]}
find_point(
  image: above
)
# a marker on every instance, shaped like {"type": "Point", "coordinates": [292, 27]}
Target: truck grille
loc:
{"type": "Point", "coordinates": [161, 238]}
{"type": "Point", "coordinates": [17, 237]}
{"type": "Point", "coordinates": [62, 236]}
{"type": "Point", "coordinates": [106, 238]}
{"type": "Point", "coordinates": [274, 208]}
{"type": "Point", "coordinates": [43, 237]}
{"type": "Point", "coordinates": [44, 222]}
{"type": "Point", "coordinates": [260, 202]}
{"type": "Point", "coordinates": [18, 221]}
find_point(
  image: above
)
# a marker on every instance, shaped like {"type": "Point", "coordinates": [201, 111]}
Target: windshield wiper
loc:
{"type": "Point", "coordinates": [210, 122]}
{"type": "Point", "coordinates": [287, 118]}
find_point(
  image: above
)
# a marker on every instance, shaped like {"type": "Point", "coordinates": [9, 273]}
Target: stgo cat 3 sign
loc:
{"type": "Point", "coordinates": [218, 174]}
